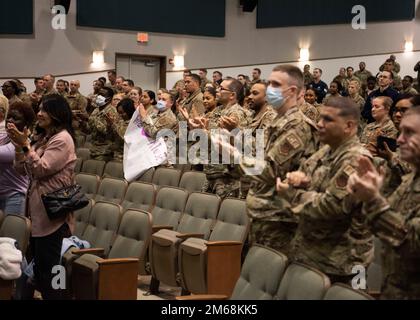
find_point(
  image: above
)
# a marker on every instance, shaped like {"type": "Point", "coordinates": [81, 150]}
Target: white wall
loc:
{"type": "Point", "coordinates": [330, 67]}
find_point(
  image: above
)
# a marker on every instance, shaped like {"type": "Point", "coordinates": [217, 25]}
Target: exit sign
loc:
{"type": "Point", "coordinates": [143, 37]}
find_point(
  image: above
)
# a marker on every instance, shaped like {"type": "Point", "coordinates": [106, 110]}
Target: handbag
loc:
{"type": "Point", "coordinates": [60, 202]}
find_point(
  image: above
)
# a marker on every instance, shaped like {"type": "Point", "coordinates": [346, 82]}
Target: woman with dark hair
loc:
{"type": "Point", "coordinates": [148, 99]}
{"type": "Point", "coordinates": [13, 186]}
{"type": "Point", "coordinates": [125, 110]}
{"type": "Point", "coordinates": [11, 91]}
{"type": "Point", "coordinates": [49, 162]}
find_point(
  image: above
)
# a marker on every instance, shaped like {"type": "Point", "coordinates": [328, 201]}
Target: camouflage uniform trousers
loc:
{"type": "Point", "coordinates": [273, 234]}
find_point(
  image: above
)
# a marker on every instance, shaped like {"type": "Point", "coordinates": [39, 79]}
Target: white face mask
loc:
{"type": "Point", "coordinates": [100, 101]}
{"type": "Point", "coordinates": [161, 105]}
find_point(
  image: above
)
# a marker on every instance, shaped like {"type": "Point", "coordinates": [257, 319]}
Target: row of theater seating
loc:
{"type": "Point", "coordinates": [200, 215]}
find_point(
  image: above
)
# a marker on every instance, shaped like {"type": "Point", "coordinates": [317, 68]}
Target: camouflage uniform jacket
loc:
{"type": "Point", "coordinates": [332, 235]}
{"type": "Point", "coordinates": [397, 223]}
{"type": "Point", "coordinates": [291, 141]}
{"type": "Point", "coordinates": [310, 111]}
{"type": "Point", "coordinates": [194, 106]}
{"type": "Point", "coordinates": [102, 135]}
{"type": "Point", "coordinates": [373, 130]}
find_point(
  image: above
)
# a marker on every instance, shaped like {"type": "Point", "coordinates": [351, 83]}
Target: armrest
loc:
{"type": "Point", "coordinates": [196, 297]}
{"type": "Point", "coordinates": [223, 243]}
{"type": "Point", "coordinates": [117, 261]}
{"type": "Point", "coordinates": [157, 228]}
{"type": "Point", "coordinates": [95, 251]}
{"type": "Point", "coordinates": [185, 236]}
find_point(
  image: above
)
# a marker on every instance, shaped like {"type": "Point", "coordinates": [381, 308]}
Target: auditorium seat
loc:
{"type": "Point", "coordinates": [183, 167]}
{"type": "Point", "coordinates": [213, 266]}
{"type": "Point", "coordinates": [114, 169]}
{"type": "Point", "coordinates": [340, 291]}
{"type": "Point", "coordinates": [93, 167]}
{"type": "Point", "coordinates": [166, 177]}
{"type": "Point", "coordinates": [260, 277]}
{"type": "Point", "coordinates": [302, 282]}
{"type": "Point", "coordinates": [19, 228]}
{"type": "Point", "coordinates": [112, 190]}
{"type": "Point", "coordinates": [197, 220]}
{"type": "Point", "coordinates": [83, 153]}
{"type": "Point", "coordinates": [193, 181]}
{"type": "Point", "coordinates": [78, 165]}
{"type": "Point", "coordinates": [147, 176]}
{"type": "Point", "coordinates": [139, 195]}
{"type": "Point", "coordinates": [100, 232]}
{"type": "Point", "coordinates": [89, 183]}
{"type": "Point", "coordinates": [115, 278]}
{"type": "Point", "coordinates": [169, 206]}
{"type": "Point", "coordinates": [81, 218]}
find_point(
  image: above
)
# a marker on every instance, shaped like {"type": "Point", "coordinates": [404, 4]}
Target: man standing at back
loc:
{"type": "Point", "coordinates": [319, 85]}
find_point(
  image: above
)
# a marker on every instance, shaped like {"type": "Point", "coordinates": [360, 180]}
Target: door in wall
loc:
{"type": "Point", "coordinates": [147, 72]}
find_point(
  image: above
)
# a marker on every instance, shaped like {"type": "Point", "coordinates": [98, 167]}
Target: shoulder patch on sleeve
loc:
{"type": "Point", "coordinates": [291, 142]}
{"type": "Point", "coordinates": [341, 181]}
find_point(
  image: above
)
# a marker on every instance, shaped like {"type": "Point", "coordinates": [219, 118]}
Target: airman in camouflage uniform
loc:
{"type": "Point", "coordinates": [332, 235]}
{"type": "Point", "coordinates": [102, 135]}
{"type": "Point", "coordinates": [310, 111]}
{"type": "Point", "coordinates": [291, 141]}
{"type": "Point", "coordinates": [396, 221]}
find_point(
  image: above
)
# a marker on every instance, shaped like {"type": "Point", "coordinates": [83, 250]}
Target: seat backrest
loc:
{"type": "Point", "coordinates": [183, 167]}
{"type": "Point", "coordinates": [261, 274]}
{"type": "Point", "coordinates": [147, 176]}
{"type": "Point", "coordinates": [89, 184]}
{"type": "Point", "coordinates": [200, 213]}
{"type": "Point", "coordinates": [232, 222]}
{"type": "Point", "coordinates": [340, 291]}
{"type": "Point", "coordinates": [166, 177]}
{"type": "Point", "coordinates": [93, 167]}
{"type": "Point", "coordinates": [302, 282]}
{"type": "Point", "coordinates": [114, 169]}
{"type": "Point", "coordinates": [193, 181]}
{"type": "Point", "coordinates": [83, 153]}
{"type": "Point", "coordinates": [16, 227]}
{"type": "Point", "coordinates": [103, 224]}
{"type": "Point", "coordinates": [133, 237]}
{"type": "Point", "coordinates": [78, 165]}
{"type": "Point", "coordinates": [82, 219]}
{"type": "Point", "coordinates": [112, 190]}
{"type": "Point", "coordinates": [139, 195]}
{"type": "Point", "coordinates": [169, 206]}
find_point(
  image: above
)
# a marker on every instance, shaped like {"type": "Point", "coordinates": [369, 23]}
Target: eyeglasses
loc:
{"type": "Point", "coordinates": [224, 89]}
{"type": "Point", "coordinates": [400, 110]}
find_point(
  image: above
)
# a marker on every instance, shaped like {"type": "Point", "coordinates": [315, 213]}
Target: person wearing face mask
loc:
{"type": "Point", "coordinates": [291, 140]}
{"type": "Point", "coordinates": [164, 119]}
{"type": "Point", "coordinates": [100, 128]}
{"type": "Point", "coordinates": [13, 186]}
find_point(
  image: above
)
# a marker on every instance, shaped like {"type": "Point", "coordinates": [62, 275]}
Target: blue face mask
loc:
{"type": "Point", "coordinates": [161, 105]}
{"type": "Point", "coordinates": [275, 97]}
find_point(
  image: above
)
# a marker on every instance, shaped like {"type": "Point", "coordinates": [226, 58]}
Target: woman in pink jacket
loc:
{"type": "Point", "coordinates": [49, 161]}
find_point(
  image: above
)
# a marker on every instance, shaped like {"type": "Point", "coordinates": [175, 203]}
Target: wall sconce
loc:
{"type": "Point", "coordinates": [178, 62]}
{"type": "Point", "coordinates": [98, 58]}
{"type": "Point", "coordinates": [408, 46]}
{"type": "Point", "coordinates": [304, 54]}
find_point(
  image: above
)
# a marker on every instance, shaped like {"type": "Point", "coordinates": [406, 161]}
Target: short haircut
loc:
{"type": "Point", "coordinates": [386, 101]}
{"type": "Point", "coordinates": [113, 72]}
{"type": "Point", "coordinates": [38, 79]}
{"type": "Point", "coordinates": [130, 82]}
{"type": "Point", "coordinates": [50, 75]}
{"type": "Point", "coordinates": [103, 79]}
{"type": "Point", "coordinates": [236, 87]}
{"type": "Point", "coordinates": [391, 73]}
{"type": "Point", "coordinates": [241, 75]}
{"type": "Point", "coordinates": [371, 78]}
{"type": "Point", "coordinates": [415, 100]}
{"type": "Point", "coordinates": [109, 91]}
{"type": "Point", "coordinates": [128, 106]}
{"type": "Point", "coordinates": [203, 70]}
{"type": "Point", "coordinates": [195, 77]}
{"type": "Point", "coordinates": [390, 61]}
{"type": "Point", "coordinates": [295, 74]}
{"type": "Point", "coordinates": [348, 108]}
{"type": "Point", "coordinates": [410, 78]}
{"type": "Point", "coordinates": [357, 81]}
{"type": "Point", "coordinates": [121, 77]}
{"type": "Point", "coordinates": [219, 73]}
{"type": "Point", "coordinates": [188, 71]}
{"type": "Point", "coordinates": [258, 70]}
{"type": "Point", "coordinates": [350, 68]}
{"type": "Point", "coordinates": [319, 69]}
{"type": "Point", "coordinates": [61, 81]}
